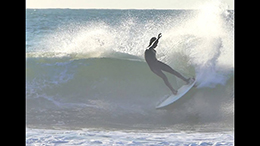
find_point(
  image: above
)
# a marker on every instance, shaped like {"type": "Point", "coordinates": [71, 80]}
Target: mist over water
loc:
{"type": "Point", "coordinates": [86, 68]}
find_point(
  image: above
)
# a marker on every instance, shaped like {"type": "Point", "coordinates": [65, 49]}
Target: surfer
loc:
{"type": "Point", "coordinates": [157, 66]}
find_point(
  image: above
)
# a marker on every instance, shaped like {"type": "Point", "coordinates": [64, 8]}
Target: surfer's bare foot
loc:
{"type": "Point", "coordinates": [189, 80]}
{"type": "Point", "coordinates": [174, 92]}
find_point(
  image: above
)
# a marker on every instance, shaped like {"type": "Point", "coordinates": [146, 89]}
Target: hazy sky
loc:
{"type": "Point", "coordinates": [121, 4]}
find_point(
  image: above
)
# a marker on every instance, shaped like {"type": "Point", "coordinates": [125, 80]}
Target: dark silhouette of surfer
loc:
{"type": "Point", "coordinates": [157, 66]}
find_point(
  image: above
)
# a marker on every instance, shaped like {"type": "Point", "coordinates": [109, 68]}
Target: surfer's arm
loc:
{"type": "Point", "coordinates": [156, 42]}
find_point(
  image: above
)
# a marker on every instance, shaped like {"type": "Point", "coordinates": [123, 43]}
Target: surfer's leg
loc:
{"type": "Point", "coordinates": [167, 68]}
{"type": "Point", "coordinates": [165, 79]}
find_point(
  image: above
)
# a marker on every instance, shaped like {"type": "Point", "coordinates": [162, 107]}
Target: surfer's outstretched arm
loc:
{"type": "Point", "coordinates": [156, 42]}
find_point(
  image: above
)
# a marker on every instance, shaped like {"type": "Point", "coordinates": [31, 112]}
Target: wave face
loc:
{"type": "Point", "coordinates": [85, 68]}
{"type": "Point", "coordinates": [114, 92]}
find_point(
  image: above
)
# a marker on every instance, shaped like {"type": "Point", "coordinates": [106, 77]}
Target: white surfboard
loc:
{"type": "Point", "coordinates": [172, 98]}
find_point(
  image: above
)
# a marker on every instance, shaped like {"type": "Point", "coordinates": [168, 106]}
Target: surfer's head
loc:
{"type": "Point", "coordinates": [151, 41]}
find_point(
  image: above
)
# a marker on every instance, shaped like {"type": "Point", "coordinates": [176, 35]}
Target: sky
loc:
{"type": "Point", "coordinates": [121, 4]}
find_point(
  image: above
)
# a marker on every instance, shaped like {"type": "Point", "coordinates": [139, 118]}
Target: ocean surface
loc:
{"type": "Point", "coordinates": [87, 82]}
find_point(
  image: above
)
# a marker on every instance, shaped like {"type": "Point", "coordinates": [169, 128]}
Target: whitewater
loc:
{"type": "Point", "coordinates": [87, 82]}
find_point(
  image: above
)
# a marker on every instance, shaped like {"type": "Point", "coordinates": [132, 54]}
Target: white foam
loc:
{"type": "Point", "coordinates": [90, 137]}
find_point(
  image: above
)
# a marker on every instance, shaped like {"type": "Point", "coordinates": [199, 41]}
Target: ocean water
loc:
{"type": "Point", "coordinates": [129, 138]}
{"type": "Point", "coordinates": [87, 82]}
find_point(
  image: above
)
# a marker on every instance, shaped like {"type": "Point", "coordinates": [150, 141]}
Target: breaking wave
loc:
{"type": "Point", "coordinates": [94, 74]}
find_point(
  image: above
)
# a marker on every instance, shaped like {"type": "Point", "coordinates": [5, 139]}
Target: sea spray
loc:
{"type": "Point", "coordinates": [196, 35]}
{"type": "Point", "coordinates": [89, 71]}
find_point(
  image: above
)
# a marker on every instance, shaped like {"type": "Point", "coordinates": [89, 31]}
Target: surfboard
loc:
{"type": "Point", "coordinates": [172, 98]}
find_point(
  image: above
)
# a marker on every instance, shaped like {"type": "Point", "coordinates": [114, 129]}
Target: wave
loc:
{"type": "Point", "coordinates": [94, 75]}
{"type": "Point", "coordinates": [114, 92]}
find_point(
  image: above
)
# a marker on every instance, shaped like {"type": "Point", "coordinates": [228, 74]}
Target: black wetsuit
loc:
{"type": "Point", "coordinates": [157, 66]}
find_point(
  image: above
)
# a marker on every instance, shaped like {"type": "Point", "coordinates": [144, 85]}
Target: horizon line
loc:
{"type": "Point", "coordinates": [121, 8]}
